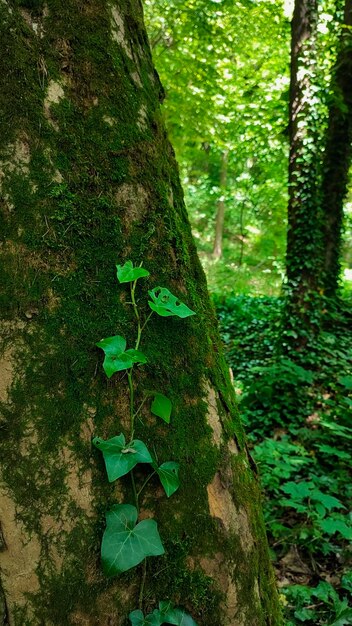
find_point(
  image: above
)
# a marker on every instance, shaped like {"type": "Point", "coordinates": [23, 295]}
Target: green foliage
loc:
{"type": "Point", "coordinates": [164, 303]}
{"type": "Point", "coordinates": [168, 474]}
{"type": "Point", "coordinates": [298, 419]}
{"type": "Point", "coordinates": [121, 458]}
{"type": "Point", "coordinates": [166, 614]}
{"type": "Point", "coordinates": [127, 273]}
{"type": "Point", "coordinates": [226, 76]}
{"type": "Point", "coordinates": [161, 406]}
{"type": "Point", "coordinates": [117, 358]}
{"type": "Point", "coordinates": [126, 544]}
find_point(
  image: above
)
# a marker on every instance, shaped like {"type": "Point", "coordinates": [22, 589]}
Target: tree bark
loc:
{"type": "Point", "coordinates": [89, 179]}
{"type": "Point", "coordinates": [337, 155]}
{"type": "Point", "coordinates": [220, 214]}
{"type": "Point", "coordinates": [304, 238]}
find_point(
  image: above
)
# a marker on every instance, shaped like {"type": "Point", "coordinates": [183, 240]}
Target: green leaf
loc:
{"type": "Point", "coordinates": [329, 502]}
{"type": "Point", "coordinates": [161, 406]}
{"type": "Point", "coordinates": [127, 273]}
{"type": "Point", "coordinates": [137, 618]}
{"type": "Point", "coordinates": [117, 358]}
{"type": "Point", "coordinates": [332, 526]}
{"type": "Point", "coordinates": [175, 616]}
{"type": "Point", "coordinates": [165, 303]}
{"type": "Point", "coordinates": [298, 491]}
{"type": "Point", "coordinates": [346, 381]}
{"type": "Point", "coordinates": [166, 614]}
{"type": "Point", "coordinates": [119, 458]}
{"type": "Point", "coordinates": [126, 544]}
{"type": "Point", "coordinates": [168, 474]}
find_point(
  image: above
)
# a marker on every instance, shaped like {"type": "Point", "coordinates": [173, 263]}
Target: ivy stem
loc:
{"type": "Point", "coordinates": [141, 591]}
{"type": "Point", "coordinates": [146, 482]}
{"type": "Point", "coordinates": [134, 490]}
{"type": "Point", "coordinates": [136, 312]}
{"type": "Point", "coordinates": [130, 385]}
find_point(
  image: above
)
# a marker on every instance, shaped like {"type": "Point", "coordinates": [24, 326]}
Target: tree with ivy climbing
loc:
{"type": "Point", "coordinates": [127, 492]}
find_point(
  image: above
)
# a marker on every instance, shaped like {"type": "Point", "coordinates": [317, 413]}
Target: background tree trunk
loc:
{"type": "Point", "coordinates": [220, 214]}
{"type": "Point", "coordinates": [337, 155]}
{"type": "Point", "coordinates": [88, 179]}
{"type": "Point", "coordinates": [304, 257]}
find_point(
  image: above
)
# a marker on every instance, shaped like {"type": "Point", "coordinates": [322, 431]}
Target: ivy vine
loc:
{"type": "Point", "coordinates": [128, 542]}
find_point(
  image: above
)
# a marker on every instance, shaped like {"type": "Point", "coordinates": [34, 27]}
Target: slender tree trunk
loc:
{"type": "Point", "coordinates": [304, 239]}
{"type": "Point", "coordinates": [220, 214]}
{"type": "Point", "coordinates": [337, 155]}
{"type": "Point", "coordinates": [88, 179]}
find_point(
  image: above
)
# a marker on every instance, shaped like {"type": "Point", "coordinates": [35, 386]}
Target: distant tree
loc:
{"type": "Point", "coordinates": [337, 154]}
{"type": "Point", "coordinates": [304, 236]}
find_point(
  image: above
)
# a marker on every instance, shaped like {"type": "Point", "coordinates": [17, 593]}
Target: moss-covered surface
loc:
{"type": "Point", "coordinates": [91, 187]}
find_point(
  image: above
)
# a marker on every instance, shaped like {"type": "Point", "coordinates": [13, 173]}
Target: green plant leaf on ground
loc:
{"type": "Point", "coordinates": [127, 273]}
{"type": "Point", "coordinates": [126, 544]}
{"type": "Point", "coordinates": [117, 358]}
{"type": "Point", "coordinates": [332, 526]}
{"type": "Point", "coordinates": [329, 502]}
{"type": "Point", "coordinates": [161, 406]}
{"type": "Point", "coordinates": [164, 303]}
{"type": "Point", "coordinates": [168, 474]}
{"type": "Point", "coordinates": [119, 458]}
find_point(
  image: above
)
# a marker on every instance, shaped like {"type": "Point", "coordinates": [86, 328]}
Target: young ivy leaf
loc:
{"type": "Point", "coordinates": [117, 358]}
{"type": "Point", "coordinates": [165, 303]}
{"type": "Point", "coordinates": [166, 614]}
{"type": "Point", "coordinates": [126, 544]}
{"type": "Point", "coordinates": [161, 406]}
{"type": "Point", "coordinates": [119, 458]}
{"type": "Point", "coordinates": [137, 618]}
{"type": "Point", "coordinates": [168, 474]}
{"type": "Point", "coordinates": [171, 615]}
{"type": "Point", "coordinates": [127, 273]}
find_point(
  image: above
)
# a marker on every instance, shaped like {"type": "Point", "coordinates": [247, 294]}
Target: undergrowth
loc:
{"type": "Point", "coordinates": [297, 413]}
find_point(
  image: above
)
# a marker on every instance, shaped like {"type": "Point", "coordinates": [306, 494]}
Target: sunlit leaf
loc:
{"type": "Point", "coordinates": [127, 273]}
{"type": "Point", "coordinates": [117, 358]}
{"type": "Point", "coordinates": [165, 303]}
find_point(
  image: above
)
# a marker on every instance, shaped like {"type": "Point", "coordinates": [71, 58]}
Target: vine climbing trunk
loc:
{"type": "Point", "coordinates": [304, 238]}
{"type": "Point", "coordinates": [337, 155]}
{"type": "Point", "coordinates": [88, 179]}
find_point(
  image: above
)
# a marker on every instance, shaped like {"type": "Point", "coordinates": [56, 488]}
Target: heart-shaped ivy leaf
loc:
{"type": "Point", "coordinates": [165, 303]}
{"type": "Point", "coordinates": [166, 614]}
{"type": "Point", "coordinates": [127, 273]}
{"type": "Point", "coordinates": [126, 544]}
{"type": "Point", "coordinates": [168, 474]}
{"type": "Point", "coordinates": [117, 358]}
{"type": "Point", "coordinates": [171, 615]}
{"type": "Point", "coordinates": [137, 618]}
{"type": "Point", "coordinates": [161, 406]}
{"type": "Point", "coordinates": [119, 458]}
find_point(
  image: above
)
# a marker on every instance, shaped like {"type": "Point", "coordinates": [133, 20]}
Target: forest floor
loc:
{"type": "Point", "coordinates": [298, 419]}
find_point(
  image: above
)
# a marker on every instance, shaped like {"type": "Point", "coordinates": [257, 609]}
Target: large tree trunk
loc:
{"type": "Point", "coordinates": [337, 155]}
{"type": "Point", "coordinates": [304, 239]}
{"type": "Point", "coordinates": [88, 179]}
